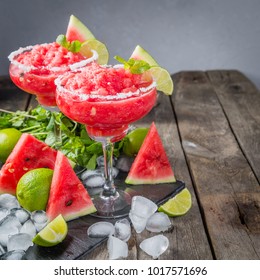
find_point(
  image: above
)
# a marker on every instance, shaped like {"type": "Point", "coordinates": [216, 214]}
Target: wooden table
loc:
{"type": "Point", "coordinates": [211, 131]}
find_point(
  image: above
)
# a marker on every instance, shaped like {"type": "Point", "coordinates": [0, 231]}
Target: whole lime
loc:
{"type": "Point", "coordinates": [33, 189]}
{"type": "Point", "coordinates": [8, 139]}
{"type": "Point", "coordinates": [134, 140]}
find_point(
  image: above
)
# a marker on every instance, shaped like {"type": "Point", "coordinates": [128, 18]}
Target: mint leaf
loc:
{"type": "Point", "coordinates": [73, 46]}
{"type": "Point", "coordinates": [62, 40]}
{"type": "Point", "coordinates": [135, 66]}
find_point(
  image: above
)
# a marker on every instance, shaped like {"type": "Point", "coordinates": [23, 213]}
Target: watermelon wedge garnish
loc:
{"type": "Point", "coordinates": [67, 196]}
{"type": "Point", "coordinates": [29, 153]}
{"type": "Point", "coordinates": [78, 31]}
{"type": "Point", "coordinates": [151, 165]}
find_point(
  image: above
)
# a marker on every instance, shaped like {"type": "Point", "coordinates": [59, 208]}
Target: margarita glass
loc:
{"type": "Point", "coordinates": [106, 99]}
{"type": "Point", "coordinates": [35, 68]}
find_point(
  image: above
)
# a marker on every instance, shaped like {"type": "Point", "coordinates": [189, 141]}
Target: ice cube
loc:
{"type": "Point", "coordinates": [143, 207]}
{"type": "Point", "coordinates": [100, 161]}
{"type": "Point", "coordinates": [2, 250]}
{"type": "Point", "coordinates": [10, 221]}
{"type": "Point", "coordinates": [13, 255]}
{"type": "Point", "coordinates": [8, 201]}
{"type": "Point", "coordinates": [22, 214]}
{"type": "Point", "coordinates": [39, 219]}
{"type": "Point", "coordinates": [5, 232]}
{"type": "Point", "coordinates": [138, 223]}
{"type": "Point", "coordinates": [101, 229]}
{"type": "Point", "coordinates": [158, 222]}
{"type": "Point", "coordinates": [124, 163]}
{"type": "Point", "coordinates": [29, 228]}
{"type": "Point", "coordinates": [3, 213]}
{"type": "Point", "coordinates": [89, 173]}
{"type": "Point", "coordinates": [123, 230]}
{"type": "Point", "coordinates": [94, 181]}
{"type": "Point", "coordinates": [19, 241]}
{"type": "Point", "coordinates": [155, 246]}
{"type": "Point", "coordinates": [116, 248]}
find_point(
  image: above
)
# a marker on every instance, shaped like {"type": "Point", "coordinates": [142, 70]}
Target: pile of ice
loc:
{"type": "Point", "coordinates": [95, 178]}
{"type": "Point", "coordinates": [143, 216]}
{"type": "Point", "coordinates": [17, 227]}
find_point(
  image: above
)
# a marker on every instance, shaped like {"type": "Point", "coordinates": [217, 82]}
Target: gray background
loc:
{"type": "Point", "coordinates": [180, 34]}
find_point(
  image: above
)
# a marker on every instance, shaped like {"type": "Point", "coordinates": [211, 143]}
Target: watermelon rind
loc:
{"type": "Point", "coordinates": [151, 165]}
{"type": "Point", "coordinates": [67, 195]}
{"type": "Point", "coordinates": [140, 53]}
{"type": "Point", "coordinates": [78, 31]}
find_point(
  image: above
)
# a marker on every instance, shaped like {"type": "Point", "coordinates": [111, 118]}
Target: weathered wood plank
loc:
{"type": "Point", "coordinates": [240, 100]}
{"type": "Point", "coordinates": [11, 97]}
{"type": "Point", "coordinates": [220, 171]}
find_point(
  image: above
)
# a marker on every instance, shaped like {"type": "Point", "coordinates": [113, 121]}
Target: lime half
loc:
{"type": "Point", "coordinates": [163, 79]}
{"type": "Point", "coordinates": [179, 205]}
{"type": "Point", "coordinates": [99, 47]}
{"type": "Point", "coordinates": [53, 234]}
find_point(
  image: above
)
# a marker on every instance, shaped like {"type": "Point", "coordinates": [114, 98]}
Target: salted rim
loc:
{"type": "Point", "coordinates": [27, 68]}
{"type": "Point", "coordinates": [94, 95]}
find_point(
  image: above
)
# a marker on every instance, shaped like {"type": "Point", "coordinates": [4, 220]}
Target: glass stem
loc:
{"type": "Point", "coordinates": [109, 187]}
{"type": "Point", "coordinates": [56, 131]}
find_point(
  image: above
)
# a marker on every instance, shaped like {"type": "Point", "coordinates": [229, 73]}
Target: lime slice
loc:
{"type": "Point", "coordinates": [179, 205]}
{"type": "Point", "coordinates": [99, 47]}
{"type": "Point", "coordinates": [54, 233]}
{"type": "Point", "coordinates": [134, 140]}
{"type": "Point", "coordinates": [8, 139]}
{"type": "Point", "coordinates": [141, 53]}
{"type": "Point", "coordinates": [163, 79]}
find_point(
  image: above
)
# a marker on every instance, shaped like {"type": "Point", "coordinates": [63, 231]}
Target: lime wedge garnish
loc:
{"type": "Point", "coordinates": [163, 79]}
{"type": "Point", "coordinates": [54, 233]}
{"type": "Point", "coordinates": [99, 47]}
{"type": "Point", "coordinates": [179, 205]}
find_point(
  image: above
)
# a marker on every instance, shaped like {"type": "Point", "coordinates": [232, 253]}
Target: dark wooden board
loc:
{"type": "Point", "coordinates": [220, 172]}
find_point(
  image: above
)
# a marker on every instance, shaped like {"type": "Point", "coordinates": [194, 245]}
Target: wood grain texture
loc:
{"type": "Point", "coordinates": [240, 100]}
{"type": "Point", "coordinates": [220, 171]}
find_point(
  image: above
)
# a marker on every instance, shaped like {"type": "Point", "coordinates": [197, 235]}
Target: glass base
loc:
{"type": "Point", "coordinates": [116, 206]}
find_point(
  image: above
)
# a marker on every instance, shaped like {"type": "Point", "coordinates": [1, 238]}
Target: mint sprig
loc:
{"type": "Point", "coordinates": [135, 66]}
{"type": "Point", "coordinates": [73, 46]}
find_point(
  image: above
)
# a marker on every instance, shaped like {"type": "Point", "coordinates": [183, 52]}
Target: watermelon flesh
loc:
{"type": "Point", "coordinates": [67, 196]}
{"type": "Point", "coordinates": [29, 153]}
{"type": "Point", "coordinates": [78, 31]}
{"type": "Point", "coordinates": [151, 165]}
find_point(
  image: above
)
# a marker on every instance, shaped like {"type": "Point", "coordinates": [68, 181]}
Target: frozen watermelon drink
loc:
{"type": "Point", "coordinates": [106, 99]}
{"type": "Point", "coordinates": [34, 68]}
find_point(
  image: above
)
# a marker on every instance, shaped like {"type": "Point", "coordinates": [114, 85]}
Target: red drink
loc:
{"type": "Point", "coordinates": [105, 99]}
{"type": "Point", "coordinates": [34, 69]}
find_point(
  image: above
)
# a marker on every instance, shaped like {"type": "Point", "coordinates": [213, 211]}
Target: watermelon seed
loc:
{"type": "Point", "coordinates": [68, 203]}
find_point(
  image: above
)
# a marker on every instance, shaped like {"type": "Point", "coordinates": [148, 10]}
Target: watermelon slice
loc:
{"type": "Point", "coordinates": [140, 53]}
{"type": "Point", "coordinates": [151, 165]}
{"type": "Point", "coordinates": [78, 31]}
{"type": "Point", "coordinates": [29, 153]}
{"type": "Point", "coordinates": [67, 194]}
